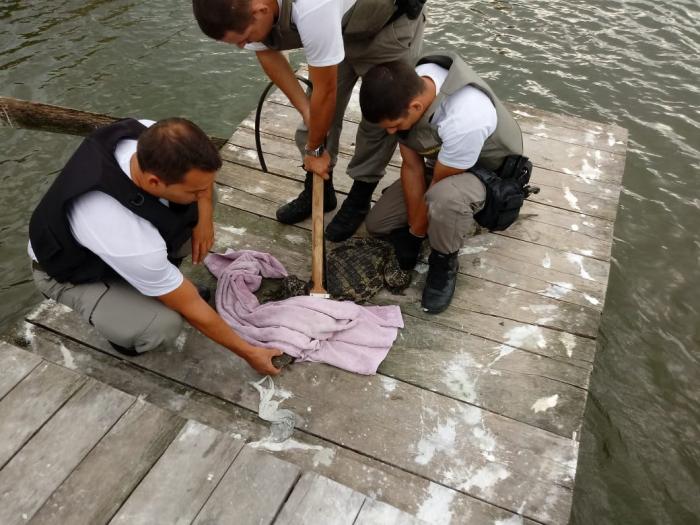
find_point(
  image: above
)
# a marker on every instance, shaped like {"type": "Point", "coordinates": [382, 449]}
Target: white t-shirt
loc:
{"type": "Point", "coordinates": [129, 244]}
{"type": "Point", "coordinates": [319, 23]}
{"type": "Point", "coordinates": [464, 120]}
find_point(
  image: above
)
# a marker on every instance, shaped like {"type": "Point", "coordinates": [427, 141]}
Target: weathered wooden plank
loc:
{"type": "Point", "coordinates": [589, 164]}
{"type": "Point", "coordinates": [499, 378]}
{"type": "Point", "coordinates": [565, 128]}
{"type": "Point", "coordinates": [566, 191]}
{"type": "Point", "coordinates": [251, 492]}
{"type": "Point", "coordinates": [317, 499]}
{"type": "Point", "coordinates": [476, 294]}
{"type": "Point", "coordinates": [16, 365]}
{"type": "Point", "coordinates": [26, 408]}
{"type": "Point", "coordinates": [454, 444]}
{"type": "Point", "coordinates": [97, 487]}
{"type": "Point", "coordinates": [374, 512]}
{"type": "Point", "coordinates": [416, 495]}
{"type": "Point", "coordinates": [42, 465]}
{"type": "Point", "coordinates": [181, 481]}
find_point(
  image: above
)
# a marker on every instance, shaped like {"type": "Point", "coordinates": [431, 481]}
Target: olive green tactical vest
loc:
{"type": "Point", "coordinates": [363, 20]}
{"type": "Point", "coordinates": [423, 136]}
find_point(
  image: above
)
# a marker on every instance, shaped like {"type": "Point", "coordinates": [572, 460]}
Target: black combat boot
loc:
{"type": "Point", "coordinates": [300, 208]}
{"type": "Point", "coordinates": [352, 212]}
{"type": "Point", "coordinates": [441, 281]}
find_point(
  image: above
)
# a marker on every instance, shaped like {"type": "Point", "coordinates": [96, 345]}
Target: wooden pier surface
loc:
{"type": "Point", "coordinates": [77, 451]}
{"type": "Point", "coordinates": [475, 415]}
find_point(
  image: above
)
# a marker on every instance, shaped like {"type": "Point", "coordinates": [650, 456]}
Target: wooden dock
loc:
{"type": "Point", "coordinates": [475, 415]}
{"type": "Point", "coordinates": [77, 451]}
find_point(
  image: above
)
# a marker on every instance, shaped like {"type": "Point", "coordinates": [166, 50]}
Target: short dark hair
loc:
{"type": "Point", "coordinates": [172, 147]}
{"type": "Point", "coordinates": [216, 17]}
{"type": "Point", "coordinates": [387, 90]}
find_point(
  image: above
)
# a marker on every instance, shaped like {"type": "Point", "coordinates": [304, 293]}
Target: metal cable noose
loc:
{"type": "Point", "coordinates": [258, 114]}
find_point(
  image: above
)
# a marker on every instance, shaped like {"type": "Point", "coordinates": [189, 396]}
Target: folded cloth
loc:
{"type": "Point", "coordinates": [339, 333]}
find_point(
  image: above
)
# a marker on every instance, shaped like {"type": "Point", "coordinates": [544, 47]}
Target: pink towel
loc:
{"type": "Point", "coordinates": [340, 333]}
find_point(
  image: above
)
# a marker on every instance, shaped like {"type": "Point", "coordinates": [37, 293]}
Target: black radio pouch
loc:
{"type": "Point", "coordinates": [506, 191]}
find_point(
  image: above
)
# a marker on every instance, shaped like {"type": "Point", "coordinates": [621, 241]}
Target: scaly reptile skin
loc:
{"type": "Point", "coordinates": [356, 270]}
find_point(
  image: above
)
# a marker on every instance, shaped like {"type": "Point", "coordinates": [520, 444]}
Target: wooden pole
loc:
{"type": "Point", "coordinates": [25, 114]}
{"type": "Point", "coordinates": [317, 288]}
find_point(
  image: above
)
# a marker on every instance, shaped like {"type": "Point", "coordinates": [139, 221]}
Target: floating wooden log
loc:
{"type": "Point", "coordinates": [26, 114]}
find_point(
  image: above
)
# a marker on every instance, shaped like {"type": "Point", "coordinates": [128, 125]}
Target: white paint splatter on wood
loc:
{"type": "Point", "coordinates": [295, 239]}
{"type": "Point", "coordinates": [578, 260]}
{"type": "Point", "coordinates": [68, 360]}
{"type": "Point", "coordinates": [436, 507]}
{"type": "Point", "coordinates": [233, 230]}
{"type": "Point", "coordinates": [545, 403]}
{"type": "Point", "coordinates": [571, 198]}
{"type": "Point", "coordinates": [181, 340]}
{"type": "Point", "coordinates": [569, 342]}
{"type": "Point", "coordinates": [592, 300]}
{"type": "Point", "coordinates": [440, 440]}
{"type": "Point", "coordinates": [520, 336]}
{"type": "Point", "coordinates": [389, 383]}
{"type": "Point", "coordinates": [486, 478]}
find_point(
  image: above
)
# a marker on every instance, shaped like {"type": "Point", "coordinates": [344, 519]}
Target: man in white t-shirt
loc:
{"type": "Point", "coordinates": [447, 120]}
{"type": "Point", "coordinates": [108, 236]}
{"type": "Point", "coordinates": [341, 39]}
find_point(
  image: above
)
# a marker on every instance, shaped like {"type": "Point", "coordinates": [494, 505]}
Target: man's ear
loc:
{"type": "Point", "coordinates": [416, 106]}
{"type": "Point", "coordinates": [258, 7]}
{"type": "Point", "coordinates": [153, 183]}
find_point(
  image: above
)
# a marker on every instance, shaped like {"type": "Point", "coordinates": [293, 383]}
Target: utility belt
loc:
{"type": "Point", "coordinates": [506, 191]}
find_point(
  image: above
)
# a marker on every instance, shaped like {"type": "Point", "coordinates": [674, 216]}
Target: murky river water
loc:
{"type": "Point", "coordinates": [635, 63]}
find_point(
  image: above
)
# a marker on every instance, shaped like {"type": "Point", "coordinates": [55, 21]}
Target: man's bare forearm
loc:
{"type": "Point", "coordinates": [413, 185]}
{"type": "Point", "coordinates": [186, 301]}
{"type": "Point", "coordinates": [322, 105]}
{"type": "Point", "coordinates": [277, 68]}
{"type": "Point", "coordinates": [205, 206]}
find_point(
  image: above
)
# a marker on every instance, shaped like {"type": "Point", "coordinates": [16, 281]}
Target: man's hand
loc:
{"type": "Point", "coordinates": [202, 240]}
{"type": "Point", "coordinates": [260, 359]}
{"type": "Point", "coordinates": [319, 165]}
{"type": "Point", "coordinates": [406, 247]}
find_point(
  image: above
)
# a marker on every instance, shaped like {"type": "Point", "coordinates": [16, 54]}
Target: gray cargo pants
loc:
{"type": "Point", "coordinates": [400, 40]}
{"type": "Point", "coordinates": [452, 203]}
{"type": "Point", "coordinates": [119, 312]}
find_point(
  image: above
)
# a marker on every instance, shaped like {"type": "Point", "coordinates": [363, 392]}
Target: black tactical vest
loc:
{"type": "Point", "coordinates": [93, 167]}
{"type": "Point", "coordinates": [363, 20]}
{"type": "Point", "coordinates": [423, 136]}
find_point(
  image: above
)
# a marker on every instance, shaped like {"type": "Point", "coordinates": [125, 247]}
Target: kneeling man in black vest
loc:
{"type": "Point", "coordinates": [448, 121]}
{"type": "Point", "coordinates": [107, 238]}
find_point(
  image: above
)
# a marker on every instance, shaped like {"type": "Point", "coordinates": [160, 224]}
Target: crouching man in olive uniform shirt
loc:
{"type": "Point", "coordinates": [448, 120]}
{"type": "Point", "coordinates": [107, 238]}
